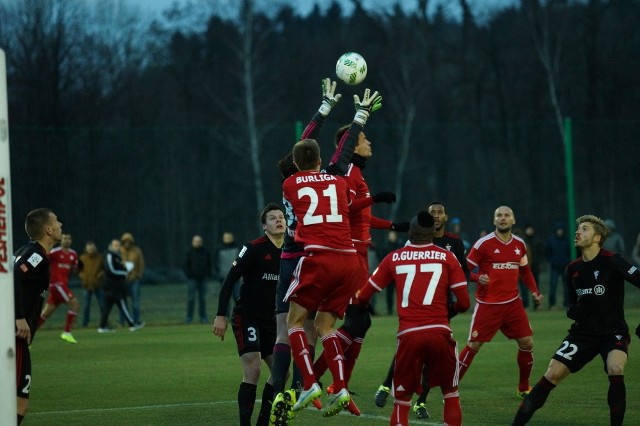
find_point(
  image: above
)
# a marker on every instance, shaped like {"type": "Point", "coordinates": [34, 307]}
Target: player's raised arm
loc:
{"type": "Point", "coordinates": [341, 158]}
{"type": "Point", "coordinates": [329, 99]}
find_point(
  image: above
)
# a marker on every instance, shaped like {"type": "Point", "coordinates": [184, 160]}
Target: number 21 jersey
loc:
{"type": "Point", "coordinates": [320, 202]}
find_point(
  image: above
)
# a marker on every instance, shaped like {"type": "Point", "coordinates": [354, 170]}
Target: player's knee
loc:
{"type": "Point", "coordinates": [525, 344]}
{"type": "Point", "coordinates": [23, 406]}
{"type": "Point", "coordinates": [615, 369]}
{"type": "Point", "coordinates": [474, 346]}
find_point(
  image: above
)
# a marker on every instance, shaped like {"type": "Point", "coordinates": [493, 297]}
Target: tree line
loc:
{"type": "Point", "coordinates": [174, 126]}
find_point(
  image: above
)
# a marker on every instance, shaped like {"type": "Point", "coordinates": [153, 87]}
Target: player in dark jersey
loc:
{"type": "Point", "coordinates": [253, 319]}
{"type": "Point", "coordinates": [596, 304]}
{"type": "Point", "coordinates": [425, 275]}
{"type": "Point", "coordinates": [448, 241]}
{"type": "Point", "coordinates": [30, 282]}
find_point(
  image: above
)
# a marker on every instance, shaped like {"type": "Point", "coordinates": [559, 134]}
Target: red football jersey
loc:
{"type": "Point", "coordinates": [359, 220]}
{"type": "Point", "coordinates": [62, 263]}
{"type": "Point", "coordinates": [423, 274]}
{"type": "Point", "coordinates": [320, 202]}
{"type": "Point", "coordinates": [502, 262]}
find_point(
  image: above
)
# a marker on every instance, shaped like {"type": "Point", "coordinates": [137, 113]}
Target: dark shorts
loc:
{"type": "Point", "coordinates": [357, 321]}
{"type": "Point", "coordinates": [23, 368]}
{"type": "Point", "coordinates": [577, 351]}
{"type": "Point", "coordinates": [287, 266]}
{"type": "Point", "coordinates": [254, 335]}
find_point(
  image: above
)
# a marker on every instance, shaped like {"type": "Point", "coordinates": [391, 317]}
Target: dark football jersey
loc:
{"type": "Point", "coordinates": [31, 280]}
{"type": "Point", "coordinates": [596, 293]}
{"type": "Point", "coordinates": [258, 264]}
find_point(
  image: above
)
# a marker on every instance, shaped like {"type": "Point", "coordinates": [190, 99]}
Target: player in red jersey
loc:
{"type": "Point", "coordinates": [63, 261]}
{"type": "Point", "coordinates": [424, 275]}
{"type": "Point", "coordinates": [501, 258]}
{"type": "Point", "coordinates": [327, 277]}
{"type": "Point", "coordinates": [357, 321]}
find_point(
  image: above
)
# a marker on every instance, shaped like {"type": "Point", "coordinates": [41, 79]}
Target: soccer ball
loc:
{"type": "Point", "coordinates": [351, 68]}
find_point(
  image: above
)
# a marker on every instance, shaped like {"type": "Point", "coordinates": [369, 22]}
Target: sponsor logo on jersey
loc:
{"type": "Point", "coordinates": [583, 291]}
{"type": "Point", "coordinates": [270, 277]}
{"type": "Point", "coordinates": [595, 274]}
{"type": "Point", "coordinates": [34, 259]}
{"type": "Point", "coordinates": [599, 290]}
{"type": "Point", "coordinates": [419, 255]}
{"type": "Point", "coordinates": [517, 251]}
{"type": "Point", "coordinates": [506, 265]}
{"type": "Point", "coordinates": [320, 177]}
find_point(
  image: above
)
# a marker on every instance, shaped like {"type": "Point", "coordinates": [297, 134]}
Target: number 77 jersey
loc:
{"type": "Point", "coordinates": [320, 202]}
{"type": "Point", "coordinates": [424, 275]}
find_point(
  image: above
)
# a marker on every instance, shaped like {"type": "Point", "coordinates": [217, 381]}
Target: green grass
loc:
{"type": "Point", "coordinates": [175, 374]}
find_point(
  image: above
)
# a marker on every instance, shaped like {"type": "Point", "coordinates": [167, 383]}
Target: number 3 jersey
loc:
{"type": "Point", "coordinates": [320, 202]}
{"type": "Point", "coordinates": [596, 293]}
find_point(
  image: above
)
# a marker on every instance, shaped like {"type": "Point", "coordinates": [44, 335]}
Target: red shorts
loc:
{"type": "Point", "coordinates": [510, 318]}
{"type": "Point", "coordinates": [434, 349]}
{"type": "Point", "coordinates": [59, 294]}
{"type": "Point", "coordinates": [325, 281]}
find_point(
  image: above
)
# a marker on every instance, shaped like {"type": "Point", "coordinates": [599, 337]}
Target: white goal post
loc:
{"type": "Point", "coordinates": [7, 319]}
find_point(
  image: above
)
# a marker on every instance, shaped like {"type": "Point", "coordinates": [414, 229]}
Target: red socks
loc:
{"type": "Point", "coordinates": [525, 364]}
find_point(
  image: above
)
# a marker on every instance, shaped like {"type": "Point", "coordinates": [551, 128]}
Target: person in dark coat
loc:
{"type": "Point", "coordinates": [197, 267]}
{"type": "Point", "coordinates": [558, 253]}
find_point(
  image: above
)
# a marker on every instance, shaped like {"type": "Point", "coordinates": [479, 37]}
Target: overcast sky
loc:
{"type": "Point", "coordinates": [480, 7]}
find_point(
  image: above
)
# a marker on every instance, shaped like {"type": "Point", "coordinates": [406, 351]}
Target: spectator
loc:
{"type": "Point", "coordinates": [224, 257]}
{"type": "Point", "coordinates": [535, 253]}
{"type": "Point", "coordinates": [197, 267]}
{"type": "Point", "coordinates": [558, 253]}
{"type": "Point", "coordinates": [393, 243]}
{"type": "Point", "coordinates": [456, 228]}
{"type": "Point", "coordinates": [91, 274]}
{"type": "Point", "coordinates": [614, 242]}
{"type": "Point", "coordinates": [115, 289]}
{"type": "Point", "coordinates": [635, 254]}
{"type": "Point", "coordinates": [134, 259]}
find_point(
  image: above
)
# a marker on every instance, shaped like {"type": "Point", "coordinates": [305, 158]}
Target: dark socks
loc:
{"type": "Point", "coordinates": [246, 401]}
{"type": "Point", "coordinates": [617, 399]}
{"type": "Point", "coordinates": [265, 408]}
{"type": "Point", "coordinates": [533, 401]}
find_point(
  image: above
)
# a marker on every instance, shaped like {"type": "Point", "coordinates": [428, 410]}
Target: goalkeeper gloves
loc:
{"type": "Point", "coordinates": [329, 97]}
{"type": "Point", "coordinates": [370, 102]}
{"type": "Point", "coordinates": [400, 226]}
{"type": "Point", "coordinates": [384, 197]}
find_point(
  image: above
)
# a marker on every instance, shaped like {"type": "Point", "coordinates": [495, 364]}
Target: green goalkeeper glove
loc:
{"type": "Point", "coordinates": [370, 102]}
{"type": "Point", "coordinates": [329, 97]}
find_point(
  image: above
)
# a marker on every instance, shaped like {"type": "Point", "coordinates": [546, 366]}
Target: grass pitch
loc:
{"type": "Point", "coordinates": [171, 373]}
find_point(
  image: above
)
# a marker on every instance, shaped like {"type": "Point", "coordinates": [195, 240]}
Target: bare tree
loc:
{"type": "Point", "coordinates": [548, 22]}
